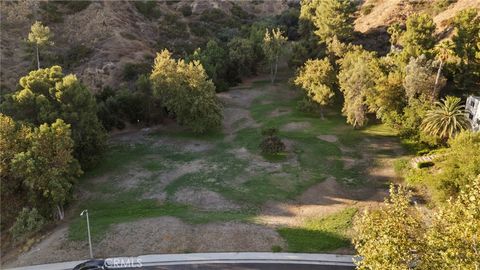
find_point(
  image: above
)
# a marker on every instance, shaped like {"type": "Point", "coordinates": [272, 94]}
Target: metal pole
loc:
{"type": "Point", "coordinates": [88, 230]}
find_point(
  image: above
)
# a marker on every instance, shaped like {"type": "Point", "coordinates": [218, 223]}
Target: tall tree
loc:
{"type": "Point", "coordinates": [186, 92]}
{"type": "Point", "coordinates": [446, 119]}
{"type": "Point", "coordinates": [48, 166]}
{"type": "Point", "coordinates": [215, 60]}
{"type": "Point", "coordinates": [332, 18]}
{"type": "Point", "coordinates": [467, 26]}
{"type": "Point", "coordinates": [317, 78]}
{"type": "Point", "coordinates": [359, 70]}
{"type": "Point", "coordinates": [47, 94]}
{"type": "Point", "coordinates": [273, 46]}
{"type": "Point", "coordinates": [419, 36]}
{"type": "Point", "coordinates": [444, 52]}
{"type": "Point", "coordinates": [40, 36]}
{"type": "Point", "coordinates": [420, 80]}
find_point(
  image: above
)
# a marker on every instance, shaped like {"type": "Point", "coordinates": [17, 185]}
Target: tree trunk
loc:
{"type": "Point", "coordinates": [60, 212]}
{"type": "Point", "coordinates": [276, 68]}
{"type": "Point", "coordinates": [38, 59]}
{"type": "Point", "coordinates": [435, 87]}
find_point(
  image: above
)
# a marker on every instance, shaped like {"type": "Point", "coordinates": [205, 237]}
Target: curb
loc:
{"type": "Point", "coordinates": [204, 258]}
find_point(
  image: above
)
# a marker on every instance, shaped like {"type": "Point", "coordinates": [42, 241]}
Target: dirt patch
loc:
{"type": "Point", "coordinates": [171, 235]}
{"type": "Point", "coordinates": [328, 138]}
{"type": "Point", "coordinates": [157, 190]}
{"type": "Point", "coordinates": [295, 126]}
{"type": "Point", "coordinates": [322, 199]}
{"type": "Point", "coordinates": [279, 112]}
{"type": "Point", "coordinates": [53, 248]}
{"type": "Point", "coordinates": [204, 199]}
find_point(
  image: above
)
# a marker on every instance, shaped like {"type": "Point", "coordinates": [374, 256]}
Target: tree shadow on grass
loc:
{"type": "Point", "coordinates": [308, 240]}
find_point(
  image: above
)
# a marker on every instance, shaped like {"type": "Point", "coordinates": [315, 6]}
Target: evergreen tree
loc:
{"type": "Point", "coordinates": [186, 92]}
{"type": "Point", "coordinates": [40, 36]}
{"type": "Point", "coordinates": [46, 95]}
{"type": "Point", "coordinates": [419, 36]}
{"type": "Point", "coordinates": [317, 78]}
{"type": "Point", "coordinates": [359, 70]}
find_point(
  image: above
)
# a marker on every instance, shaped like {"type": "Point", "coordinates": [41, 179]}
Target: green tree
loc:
{"type": "Point", "coordinates": [317, 78]}
{"type": "Point", "coordinates": [215, 61]}
{"type": "Point", "coordinates": [396, 236]}
{"type": "Point", "coordinates": [466, 73]}
{"type": "Point", "coordinates": [330, 18]}
{"type": "Point", "coordinates": [46, 95]}
{"type": "Point", "coordinates": [273, 47]}
{"type": "Point", "coordinates": [395, 31]}
{"type": "Point", "coordinates": [453, 238]}
{"type": "Point", "coordinates": [241, 52]}
{"type": "Point", "coordinates": [446, 119]}
{"type": "Point", "coordinates": [186, 92]}
{"type": "Point", "coordinates": [359, 70]}
{"type": "Point", "coordinates": [390, 237]}
{"type": "Point", "coordinates": [467, 26]}
{"type": "Point", "coordinates": [48, 167]}
{"type": "Point", "coordinates": [444, 52]}
{"type": "Point", "coordinates": [388, 98]}
{"type": "Point", "coordinates": [419, 36]}
{"type": "Point", "coordinates": [40, 36]}
{"type": "Point", "coordinates": [420, 78]}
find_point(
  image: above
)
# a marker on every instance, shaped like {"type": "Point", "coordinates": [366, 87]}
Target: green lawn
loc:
{"type": "Point", "coordinates": [320, 234]}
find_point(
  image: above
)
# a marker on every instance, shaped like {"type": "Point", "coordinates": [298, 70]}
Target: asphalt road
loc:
{"type": "Point", "coordinates": [245, 266]}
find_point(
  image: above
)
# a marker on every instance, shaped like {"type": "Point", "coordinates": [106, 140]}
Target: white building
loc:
{"type": "Point", "coordinates": [473, 110]}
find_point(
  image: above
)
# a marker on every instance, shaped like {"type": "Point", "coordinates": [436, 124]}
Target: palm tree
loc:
{"type": "Point", "coordinates": [446, 119]}
{"type": "Point", "coordinates": [444, 52]}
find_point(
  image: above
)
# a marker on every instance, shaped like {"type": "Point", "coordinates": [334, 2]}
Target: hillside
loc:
{"type": "Point", "coordinates": [95, 40]}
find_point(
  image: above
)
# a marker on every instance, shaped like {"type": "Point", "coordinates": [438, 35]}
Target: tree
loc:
{"type": "Point", "coordinates": [215, 61]}
{"type": "Point", "coordinates": [396, 236]}
{"type": "Point", "coordinates": [446, 119]}
{"type": "Point", "coordinates": [453, 238]}
{"type": "Point", "coordinates": [317, 78]}
{"type": "Point", "coordinates": [46, 95]}
{"type": "Point", "coordinates": [420, 78]}
{"type": "Point", "coordinates": [467, 25]}
{"type": "Point", "coordinates": [359, 70]}
{"type": "Point", "coordinates": [48, 167]}
{"type": "Point", "coordinates": [419, 36]}
{"type": "Point", "coordinates": [395, 31]}
{"type": "Point", "coordinates": [241, 52]}
{"type": "Point", "coordinates": [40, 36]}
{"type": "Point", "coordinates": [390, 237]}
{"type": "Point", "coordinates": [330, 18]}
{"type": "Point", "coordinates": [186, 92]}
{"type": "Point", "coordinates": [467, 35]}
{"type": "Point", "coordinates": [273, 47]}
{"type": "Point", "coordinates": [444, 52]}
{"type": "Point", "coordinates": [388, 98]}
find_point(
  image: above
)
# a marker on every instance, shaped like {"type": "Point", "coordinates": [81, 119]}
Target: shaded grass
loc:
{"type": "Point", "coordinates": [320, 234]}
{"type": "Point", "coordinates": [104, 214]}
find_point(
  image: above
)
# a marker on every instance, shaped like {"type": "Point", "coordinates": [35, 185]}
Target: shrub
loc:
{"type": "Point", "coordinates": [148, 9]}
{"type": "Point", "coordinates": [271, 143]}
{"type": "Point", "coordinates": [367, 9]}
{"type": "Point", "coordinates": [131, 71]}
{"type": "Point", "coordinates": [28, 222]}
{"type": "Point", "coordinates": [425, 164]}
{"type": "Point", "coordinates": [76, 55]}
{"type": "Point", "coordinates": [276, 248]}
{"type": "Point", "coordinates": [186, 10]}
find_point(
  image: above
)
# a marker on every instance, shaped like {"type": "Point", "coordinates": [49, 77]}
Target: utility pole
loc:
{"type": "Point", "coordinates": [88, 230]}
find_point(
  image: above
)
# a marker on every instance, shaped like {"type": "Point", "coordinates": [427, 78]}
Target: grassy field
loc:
{"type": "Point", "coordinates": [248, 181]}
